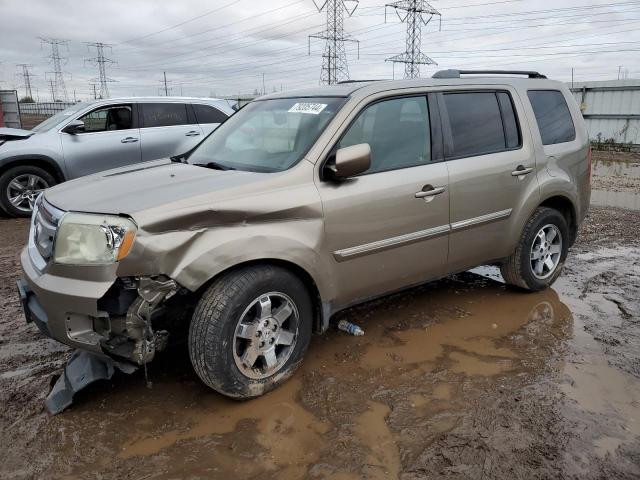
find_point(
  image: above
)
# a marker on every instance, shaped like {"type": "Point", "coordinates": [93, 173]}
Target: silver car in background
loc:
{"type": "Point", "coordinates": [99, 135]}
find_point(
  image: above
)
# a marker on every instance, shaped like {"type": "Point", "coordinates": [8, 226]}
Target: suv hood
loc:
{"type": "Point", "coordinates": [7, 134]}
{"type": "Point", "coordinates": [159, 184]}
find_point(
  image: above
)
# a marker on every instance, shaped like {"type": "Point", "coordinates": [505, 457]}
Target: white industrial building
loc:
{"type": "Point", "coordinates": [611, 109]}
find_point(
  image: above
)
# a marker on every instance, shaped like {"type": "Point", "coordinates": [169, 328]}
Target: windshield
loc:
{"type": "Point", "coordinates": [267, 135]}
{"type": "Point", "coordinates": [51, 122]}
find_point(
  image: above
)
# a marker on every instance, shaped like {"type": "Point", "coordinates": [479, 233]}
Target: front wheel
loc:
{"type": "Point", "coordinates": [250, 330]}
{"type": "Point", "coordinates": [538, 259]}
{"type": "Point", "coordinates": [19, 188]}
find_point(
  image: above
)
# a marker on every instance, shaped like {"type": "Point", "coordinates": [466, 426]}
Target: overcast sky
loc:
{"type": "Point", "coordinates": [223, 47]}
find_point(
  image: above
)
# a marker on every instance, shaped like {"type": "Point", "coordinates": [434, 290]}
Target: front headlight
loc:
{"type": "Point", "coordinates": [93, 239]}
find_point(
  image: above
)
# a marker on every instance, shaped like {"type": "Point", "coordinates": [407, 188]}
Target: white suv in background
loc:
{"type": "Point", "coordinates": [99, 135]}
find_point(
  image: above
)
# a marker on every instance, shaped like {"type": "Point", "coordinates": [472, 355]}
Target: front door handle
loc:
{"type": "Point", "coordinates": [192, 133]}
{"type": "Point", "coordinates": [521, 170]}
{"type": "Point", "coordinates": [429, 191]}
{"type": "Point", "coordinates": [129, 140]}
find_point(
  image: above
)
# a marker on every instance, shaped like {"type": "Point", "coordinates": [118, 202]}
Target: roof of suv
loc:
{"type": "Point", "coordinates": [160, 99]}
{"type": "Point", "coordinates": [365, 88]}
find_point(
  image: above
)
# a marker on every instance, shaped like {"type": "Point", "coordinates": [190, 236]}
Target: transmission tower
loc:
{"type": "Point", "coordinates": [334, 58]}
{"type": "Point", "coordinates": [52, 89]}
{"type": "Point", "coordinates": [59, 88]}
{"type": "Point", "coordinates": [101, 61]}
{"type": "Point", "coordinates": [416, 14]}
{"type": "Point", "coordinates": [26, 77]}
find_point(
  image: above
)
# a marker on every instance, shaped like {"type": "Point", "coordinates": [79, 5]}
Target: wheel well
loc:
{"type": "Point", "coordinates": [47, 165]}
{"type": "Point", "coordinates": [298, 271]}
{"type": "Point", "coordinates": [566, 208]}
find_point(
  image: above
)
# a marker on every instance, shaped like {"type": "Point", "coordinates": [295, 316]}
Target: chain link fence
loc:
{"type": "Point", "coordinates": [31, 114]}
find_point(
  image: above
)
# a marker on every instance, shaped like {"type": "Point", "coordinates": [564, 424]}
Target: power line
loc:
{"type": "Point", "coordinates": [101, 61]}
{"type": "Point", "coordinates": [334, 58]}
{"type": "Point", "coordinates": [58, 87]}
{"type": "Point", "coordinates": [192, 54]}
{"type": "Point", "coordinates": [219, 46]}
{"type": "Point", "coordinates": [416, 13]}
{"type": "Point", "coordinates": [234, 70]}
{"type": "Point", "coordinates": [197, 17]}
{"type": "Point", "coordinates": [213, 29]}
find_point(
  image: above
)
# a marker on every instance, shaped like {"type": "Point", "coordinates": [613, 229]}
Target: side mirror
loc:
{"type": "Point", "coordinates": [75, 126]}
{"type": "Point", "coordinates": [351, 161]}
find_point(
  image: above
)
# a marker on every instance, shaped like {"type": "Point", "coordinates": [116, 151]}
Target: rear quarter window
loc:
{"type": "Point", "coordinates": [208, 114]}
{"type": "Point", "coordinates": [553, 116]}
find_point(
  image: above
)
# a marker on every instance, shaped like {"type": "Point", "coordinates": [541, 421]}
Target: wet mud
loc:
{"type": "Point", "coordinates": [462, 378]}
{"type": "Point", "coordinates": [616, 180]}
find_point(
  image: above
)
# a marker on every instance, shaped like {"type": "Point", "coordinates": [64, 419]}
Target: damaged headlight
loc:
{"type": "Point", "coordinates": [93, 239]}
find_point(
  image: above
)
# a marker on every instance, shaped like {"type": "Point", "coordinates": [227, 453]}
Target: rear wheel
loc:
{"type": "Point", "coordinates": [250, 330]}
{"type": "Point", "coordinates": [538, 259]}
{"type": "Point", "coordinates": [19, 188]}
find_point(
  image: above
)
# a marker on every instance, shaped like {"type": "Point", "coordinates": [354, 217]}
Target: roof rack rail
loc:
{"type": "Point", "coordinates": [358, 81]}
{"type": "Point", "coordinates": [452, 73]}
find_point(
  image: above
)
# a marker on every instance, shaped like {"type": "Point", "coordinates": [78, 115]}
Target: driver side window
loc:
{"type": "Point", "coordinates": [113, 117]}
{"type": "Point", "coordinates": [397, 130]}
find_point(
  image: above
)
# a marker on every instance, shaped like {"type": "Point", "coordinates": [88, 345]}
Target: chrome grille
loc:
{"type": "Point", "coordinates": [44, 224]}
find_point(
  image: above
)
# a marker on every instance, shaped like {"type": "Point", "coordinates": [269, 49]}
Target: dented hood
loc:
{"type": "Point", "coordinates": [160, 184]}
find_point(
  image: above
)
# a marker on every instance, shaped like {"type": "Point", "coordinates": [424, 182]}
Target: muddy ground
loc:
{"type": "Point", "coordinates": [462, 378]}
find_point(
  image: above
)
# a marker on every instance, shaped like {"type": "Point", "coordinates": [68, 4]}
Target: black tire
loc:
{"type": "Point", "coordinates": [214, 322]}
{"type": "Point", "coordinates": [12, 173]}
{"type": "Point", "coordinates": [517, 270]}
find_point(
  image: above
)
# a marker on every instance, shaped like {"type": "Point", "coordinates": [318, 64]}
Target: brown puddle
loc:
{"type": "Point", "coordinates": [372, 431]}
{"type": "Point", "coordinates": [287, 438]}
{"type": "Point", "coordinates": [289, 435]}
{"type": "Point", "coordinates": [471, 334]}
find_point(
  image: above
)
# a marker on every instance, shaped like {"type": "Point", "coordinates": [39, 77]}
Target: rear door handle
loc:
{"type": "Point", "coordinates": [521, 170]}
{"type": "Point", "coordinates": [192, 133]}
{"type": "Point", "coordinates": [129, 140]}
{"type": "Point", "coordinates": [429, 191]}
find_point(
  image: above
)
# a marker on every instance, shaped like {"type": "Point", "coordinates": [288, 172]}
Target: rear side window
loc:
{"type": "Point", "coordinates": [397, 130]}
{"type": "Point", "coordinates": [481, 122]}
{"type": "Point", "coordinates": [553, 116]}
{"type": "Point", "coordinates": [163, 114]}
{"type": "Point", "coordinates": [208, 114]}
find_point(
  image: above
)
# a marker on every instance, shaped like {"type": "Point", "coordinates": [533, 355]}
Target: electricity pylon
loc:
{"type": "Point", "coordinates": [26, 78]}
{"type": "Point", "coordinates": [416, 14]}
{"type": "Point", "coordinates": [100, 60]}
{"type": "Point", "coordinates": [59, 89]}
{"type": "Point", "coordinates": [334, 58]}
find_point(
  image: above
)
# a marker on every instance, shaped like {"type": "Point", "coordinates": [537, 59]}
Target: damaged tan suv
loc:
{"type": "Point", "coordinates": [302, 204]}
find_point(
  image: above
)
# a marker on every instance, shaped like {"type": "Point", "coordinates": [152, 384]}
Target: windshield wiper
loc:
{"type": "Point", "coordinates": [214, 166]}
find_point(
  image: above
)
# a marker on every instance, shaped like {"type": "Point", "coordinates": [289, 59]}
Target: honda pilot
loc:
{"type": "Point", "coordinates": [302, 204]}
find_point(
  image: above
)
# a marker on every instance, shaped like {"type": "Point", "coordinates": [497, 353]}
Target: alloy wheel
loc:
{"type": "Point", "coordinates": [23, 190]}
{"type": "Point", "coordinates": [266, 335]}
{"type": "Point", "coordinates": [546, 251]}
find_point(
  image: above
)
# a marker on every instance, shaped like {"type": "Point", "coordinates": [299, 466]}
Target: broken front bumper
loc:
{"type": "Point", "coordinates": [107, 322]}
{"type": "Point", "coordinates": [104, 317]}
{"type": "Point", "coordinates": [64, 309]}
